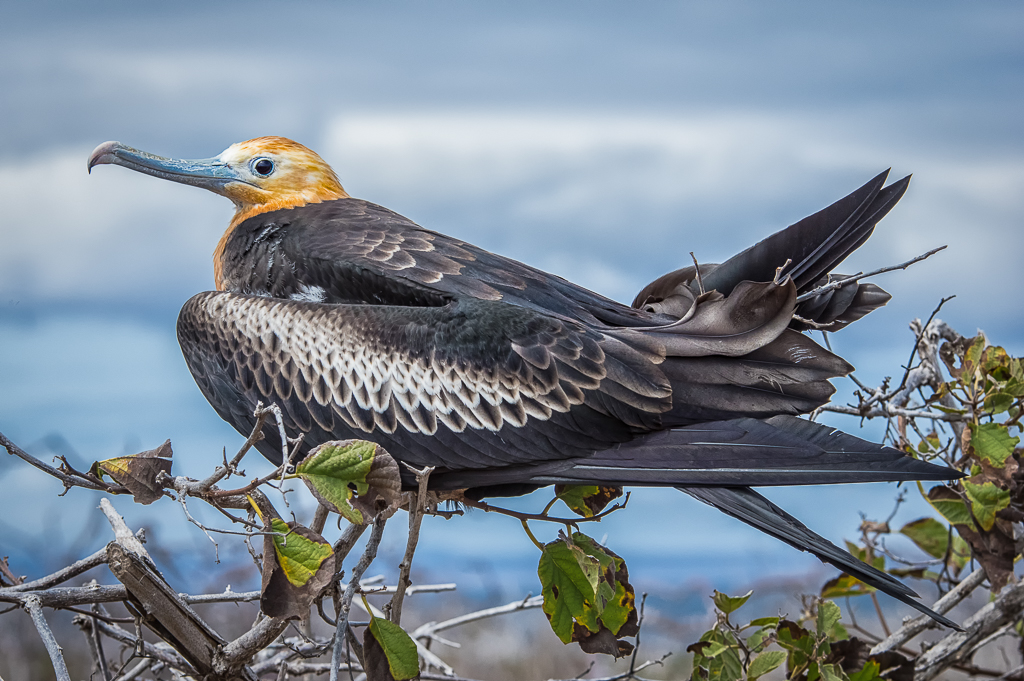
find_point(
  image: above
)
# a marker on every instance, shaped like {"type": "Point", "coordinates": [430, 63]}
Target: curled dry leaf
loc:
{"type": "Point", "coordinates": [138, 472]}
{"type": "Point", "coordinates": [297, 565]}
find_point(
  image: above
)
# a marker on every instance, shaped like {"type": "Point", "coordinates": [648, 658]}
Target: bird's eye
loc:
{"type": "Point", "coordinates": [263, 167]}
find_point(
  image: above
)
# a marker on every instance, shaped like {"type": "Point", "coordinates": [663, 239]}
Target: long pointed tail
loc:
{"type": "Point", "coordinates": [747, 505]}
{"type": "Point", "coordinates": [783, 450]}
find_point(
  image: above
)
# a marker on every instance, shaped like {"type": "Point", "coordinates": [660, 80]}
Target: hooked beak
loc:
{"type": "Point", "coordinates": [208, 173]}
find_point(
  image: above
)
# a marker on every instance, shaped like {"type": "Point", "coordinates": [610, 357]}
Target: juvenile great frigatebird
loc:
{"type": "Point", "coordinates": [359, 323]}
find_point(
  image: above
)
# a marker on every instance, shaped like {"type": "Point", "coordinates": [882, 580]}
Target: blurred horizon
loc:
{"type": "Point", "coordinates": [600, 141]}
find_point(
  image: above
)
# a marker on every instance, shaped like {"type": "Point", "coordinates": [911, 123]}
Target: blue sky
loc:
{"type": "Point", "coordinates": [602, 141]}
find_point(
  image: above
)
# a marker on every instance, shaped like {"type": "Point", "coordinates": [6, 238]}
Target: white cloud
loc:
{"type": "Point", "coordinates": [612, 200]}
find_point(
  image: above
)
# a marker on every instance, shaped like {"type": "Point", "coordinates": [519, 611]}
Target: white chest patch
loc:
{"type": "Point", "coordinates": [309, 294]}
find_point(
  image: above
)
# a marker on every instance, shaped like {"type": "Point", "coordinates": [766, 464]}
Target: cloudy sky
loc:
{"type": "Point", "coordinates": [602, 141]}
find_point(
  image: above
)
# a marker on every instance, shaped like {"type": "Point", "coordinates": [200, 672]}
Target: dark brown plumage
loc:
{"type": "Point", "coordinates": [360, 323]}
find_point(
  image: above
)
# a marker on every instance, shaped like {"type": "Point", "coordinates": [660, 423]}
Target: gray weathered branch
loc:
{"type": "Point", "coordinates": [959, 646]}
{"type": "Point", "coordinates": [35, 610]}
{"type": "Point", "coordinates": [417, 503]}
{"type": "Point", "coordinates": [915, 626]}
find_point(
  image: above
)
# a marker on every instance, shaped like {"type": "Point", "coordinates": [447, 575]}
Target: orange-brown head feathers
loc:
{"type": "Point", "coordinates": [279, 173]}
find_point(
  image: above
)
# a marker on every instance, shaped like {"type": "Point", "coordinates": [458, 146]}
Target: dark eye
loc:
{"type": "Point", "coordinates": [263, 167]}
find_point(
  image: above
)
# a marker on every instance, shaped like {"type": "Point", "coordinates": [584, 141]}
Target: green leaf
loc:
{"type": "Point", "coordinates": [845, 585]}
{"type": "Point", "coordinates": [929, 534]}
{"type": "Point", "coordinates": [828, 617]}
{"type": "Point", "coordinates": [992, 443]}
{"type": "Point", "coordinates": [756, 641]}
{"type": "Point", "coordinates": [986, 500]}
{"type": "Point", "coordinates": [1015, 387]}
{"type": "Point", "coordinates": [870, 672]}
{"type": "Point", "coordinates": [337, 470]}
{"type": "Point", "coordinates": [996, 362]}
{"type": "Point", "coordinates": [765, 662]}
{"type": "Point", "coordinates": [587, 500]}
{"type": "Point", "coordinates": [298, 556]}
{"type": "Point", "coordinates": [714, 649]}
{"type": "Point", "coordinates": [1016, 367]}
{"type": "Point", "coordinates": [948, 503]}
{"type": "Point", "coordinates": [617, 611]}
{"type": "Point", "coordinates": [568, 579]}
{"type": "Point", "coordinates": [998, 402]}
{"type": "Point", "coordinates": [587, 595]}
{"type": "Point", "coordinates": [831, 672]}
{"type": "Point", "coordinates": [932, 537]}
{"type": "Point", "coordinates": [961, 552]}
{"type": "Point", "coordinates": [604, 589]}
{"type": "Point", "coordinates": [726, 665]}
{"type": "Point", "coordinates": [400, 649]}
{"type": "Point", "coordinates": [972, 358]}
{"type": "Point", "coordinates": [728, 604]}
{"type": "Point", "coordinates": [765, 622]}
{"type": "Point", "coordinates": [930, 445]}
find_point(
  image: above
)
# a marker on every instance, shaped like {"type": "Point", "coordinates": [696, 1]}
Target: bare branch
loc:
{"type": "Point", "coordinates": [422, 588]}
{"type": "Point", "coordinates": [137, 670]}
{"type": "Point", "coordinates": [69, 596]}
{"type": "Point", "coordinates": [519, 515]}
{"type": "Point", "coordinates": [917, 343]}
{"type": "Point", "coordinates": [273, 475]}
{"type": "Point", "coordinates": [888, 410]}
{"type": "Point", "coordinates": [960, 645]}
{"type": "Point", "coordinates": [417, 503]}
{"type": "Point", "coordinates": [831, 286]}
{"type": "Point", "coordinates": [346, 541]}
{"type": "Point", "coordinates": [430, 628]}
{"type": "Point", "coordinates": [811, 323]}
{"type": "Point", "coordinates": [346, 603]}
{"type": "Point", "coordinates": [123, 535]}
{"type": "Point", "coordinates": [35, 610]}
{"type": "Point", "coordinates": [67, 480]}
{"type": "Point", "coordinates": [255, 436]}
{"type": "Point", "coordinates": [85, 623]}
{"type": "Point", "coordinates": [64, 574]}
{"type": "Point", "coordinates": [227, 596]}
{"type": "Point", "coordinates": [696, 269]}
{"type": "Point", "coordinates": [238, 652]}
{"type": "Point", "coordinates": [161, 651]}
{"type": "Point", "coordinates": [942, 606]}
{"type": "Point", "coordinates": [166, 613]}
{"type": "Point", "coordinates": [5, 573]}
{"type": "Point", "coordinates": [640, 616]}
{"type": "Point", "coordinates": [631, 674]}
{"type": "Point", "coordinates": [319, 519]}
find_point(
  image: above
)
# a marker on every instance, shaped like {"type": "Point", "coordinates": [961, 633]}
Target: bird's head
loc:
{"type": "Point", "coordinates": [259, 175]}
